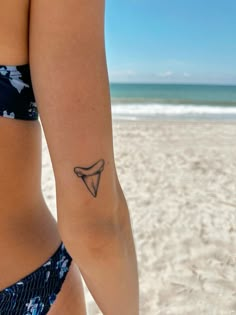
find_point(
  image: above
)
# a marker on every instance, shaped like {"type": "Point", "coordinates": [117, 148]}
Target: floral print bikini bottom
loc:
{"type": "Point", "coordinates": [35, 293]}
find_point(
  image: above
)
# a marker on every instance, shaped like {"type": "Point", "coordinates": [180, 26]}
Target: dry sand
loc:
{"type": "Point", "coordinates": [179, 179]}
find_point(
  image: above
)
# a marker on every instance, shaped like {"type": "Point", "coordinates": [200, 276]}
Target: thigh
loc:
{"type": "Point", "coordinates": [70, 300]}
{"type": "Point", "coordinates": [14, 21]}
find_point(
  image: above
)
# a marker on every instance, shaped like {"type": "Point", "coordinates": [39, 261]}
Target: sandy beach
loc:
{"type": "Point", "coordinates": [179, 179]}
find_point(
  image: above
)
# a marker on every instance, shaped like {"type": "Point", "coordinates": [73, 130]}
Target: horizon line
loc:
{"type": "Point", "coordinates": [176, 83]}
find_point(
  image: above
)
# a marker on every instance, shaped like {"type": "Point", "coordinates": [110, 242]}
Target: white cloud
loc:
{"type": "Point", "coordinates": [131, 75]}
{"type": "Point", "coordinates": [166, 74]}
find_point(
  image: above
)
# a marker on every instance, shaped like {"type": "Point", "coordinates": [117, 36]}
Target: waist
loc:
{"type": "Point", "coordinates": [26, 241]}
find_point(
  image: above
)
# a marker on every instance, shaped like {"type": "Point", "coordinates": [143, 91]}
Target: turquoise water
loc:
{"type": "Point", "coordinates": [155, 101]}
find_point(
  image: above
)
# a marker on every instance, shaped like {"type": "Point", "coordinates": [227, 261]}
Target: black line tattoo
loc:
{"type": "Point", "coordinates": [91, 175]}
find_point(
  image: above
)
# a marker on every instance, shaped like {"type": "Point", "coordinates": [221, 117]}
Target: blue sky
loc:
{"type": "Point", "coordinates": [179, 41]}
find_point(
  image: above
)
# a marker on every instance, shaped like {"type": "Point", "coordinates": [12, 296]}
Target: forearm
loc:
{"type": "Point", "coordinates": [107, 261]}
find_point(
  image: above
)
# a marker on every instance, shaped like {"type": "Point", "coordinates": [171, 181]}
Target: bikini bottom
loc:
{"type": "Point", "coordinates": [35, 293]}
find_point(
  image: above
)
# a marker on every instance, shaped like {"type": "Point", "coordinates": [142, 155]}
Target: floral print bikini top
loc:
{"type": "Point", "coordinates": [17, 99]}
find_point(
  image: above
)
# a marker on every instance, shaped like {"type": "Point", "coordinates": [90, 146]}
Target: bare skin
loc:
{"type": "Point", "coordinates": [70, 79]}
{"type": "Point", "coordinates": [27, 227]}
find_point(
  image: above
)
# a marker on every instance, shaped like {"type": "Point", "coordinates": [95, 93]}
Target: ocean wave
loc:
{"type": "Point", "coordinates": [155, 111]}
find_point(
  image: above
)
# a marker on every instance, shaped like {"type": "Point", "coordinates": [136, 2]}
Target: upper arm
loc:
{"type": "Point", "coordinates": [70, 81]}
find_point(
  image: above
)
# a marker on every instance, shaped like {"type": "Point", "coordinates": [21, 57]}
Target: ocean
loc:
{"type": "Point", "coordinates": [132, 101]}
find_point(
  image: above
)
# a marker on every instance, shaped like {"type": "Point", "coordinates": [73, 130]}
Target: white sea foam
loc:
{"type": "Point", "coordinates": [155, 111]}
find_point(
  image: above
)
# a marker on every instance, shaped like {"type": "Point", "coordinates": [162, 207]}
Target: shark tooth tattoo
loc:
{"type": "Point", "coordinates": [91, 175]}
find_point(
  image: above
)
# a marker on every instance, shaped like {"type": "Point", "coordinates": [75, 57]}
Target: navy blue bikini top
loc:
{"type": "Point", "coordinates": [17, 99]}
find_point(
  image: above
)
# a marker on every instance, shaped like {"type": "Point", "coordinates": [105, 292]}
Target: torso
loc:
{"type": "Point", "coordinates": [29, 234]}
{"type": "Point", "coordinates": [14, 31]}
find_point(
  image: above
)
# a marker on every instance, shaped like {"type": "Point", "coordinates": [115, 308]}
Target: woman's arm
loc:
{"type": "Point", "coordinates": [69, 76]}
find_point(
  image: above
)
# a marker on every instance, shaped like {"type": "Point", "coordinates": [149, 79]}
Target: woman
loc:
{"type": "Point", "coordinates": [53, 63]}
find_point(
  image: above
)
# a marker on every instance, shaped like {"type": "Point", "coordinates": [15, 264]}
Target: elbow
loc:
{"type": "Point", "coordinates": [95, 233]}
{"type": "Point", "coordinates": [92, 241]}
